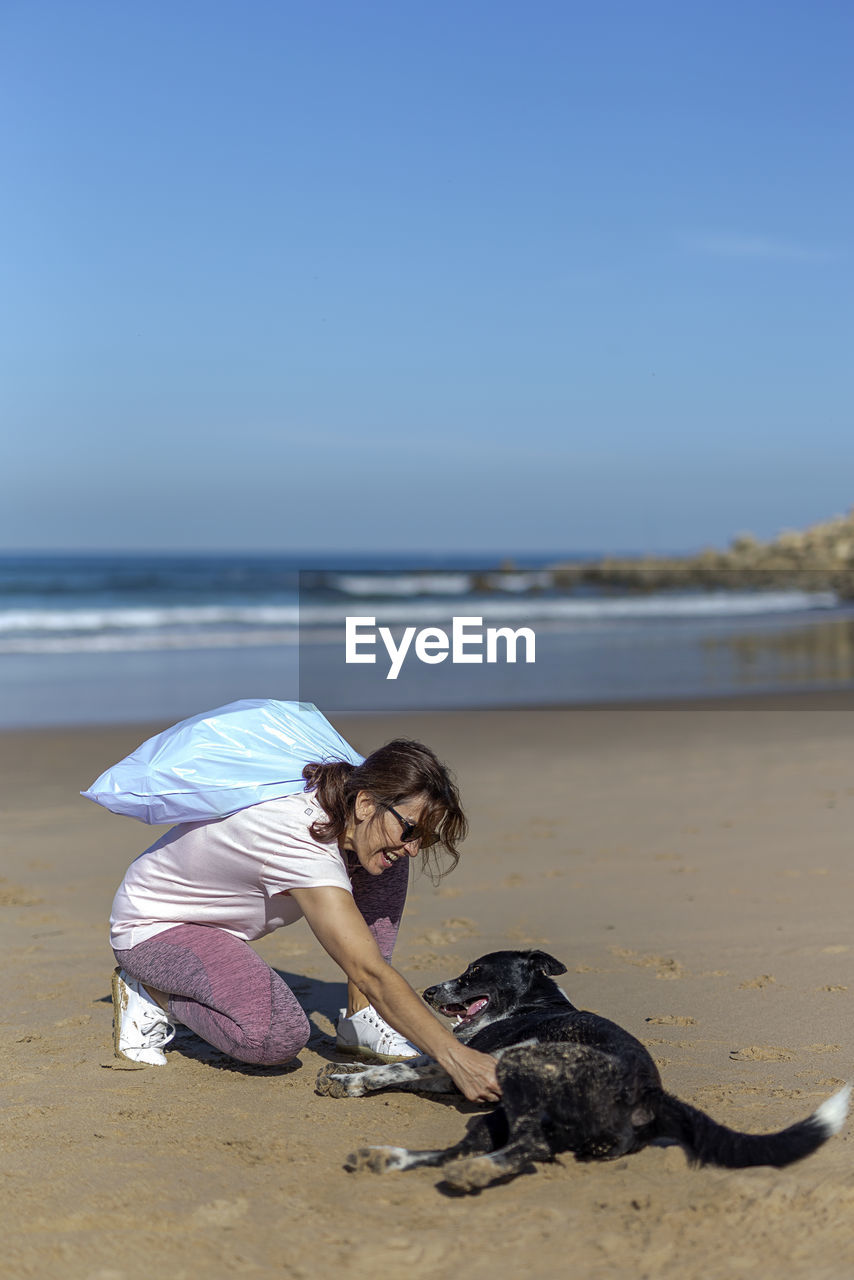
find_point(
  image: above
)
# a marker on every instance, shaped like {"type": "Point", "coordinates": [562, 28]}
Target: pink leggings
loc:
{"type": "Point", "coordinates": [222, 989]}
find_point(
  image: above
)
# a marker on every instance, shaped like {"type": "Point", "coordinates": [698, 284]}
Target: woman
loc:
{"type": "Point", "coordinates": [337, 854]}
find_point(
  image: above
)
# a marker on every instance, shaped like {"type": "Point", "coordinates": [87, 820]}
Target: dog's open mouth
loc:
{"type": "Point", "coordinates": [465, 1013]}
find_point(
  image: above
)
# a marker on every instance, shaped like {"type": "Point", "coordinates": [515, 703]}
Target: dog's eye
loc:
{"type": "Point", "coordinates": [473, 972]}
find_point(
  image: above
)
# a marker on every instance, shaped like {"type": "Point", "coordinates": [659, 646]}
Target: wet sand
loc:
{"type": "Point", "coordinates": [690, 865]}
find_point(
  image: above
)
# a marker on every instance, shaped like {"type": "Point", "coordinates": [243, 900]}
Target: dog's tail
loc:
{"type": "Point", "coordinates": [708, 1142]}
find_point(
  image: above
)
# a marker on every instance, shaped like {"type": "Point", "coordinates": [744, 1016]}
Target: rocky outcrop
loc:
{"type": "Point", "coordinates": [820, 558]}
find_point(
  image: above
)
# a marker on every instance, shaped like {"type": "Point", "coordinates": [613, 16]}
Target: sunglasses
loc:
{"type": "Point", "coordinates": [410, 830]}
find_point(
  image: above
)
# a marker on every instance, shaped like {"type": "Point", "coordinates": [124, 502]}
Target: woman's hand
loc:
{"type": "Point", "coordinates": [472, 1072]}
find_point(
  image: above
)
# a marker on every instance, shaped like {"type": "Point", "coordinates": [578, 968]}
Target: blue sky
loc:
{"type": "Point", "coordinates": [460, 276]}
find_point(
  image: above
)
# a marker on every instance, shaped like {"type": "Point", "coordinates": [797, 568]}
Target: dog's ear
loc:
{"type": "Point", "coordinates": [546, 963]}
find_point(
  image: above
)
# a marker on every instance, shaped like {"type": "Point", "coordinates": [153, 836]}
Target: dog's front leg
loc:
{"type": "Point", "coordinates": [423, 1075]}
{"type": "Point", "coordinates": [419, 1074]}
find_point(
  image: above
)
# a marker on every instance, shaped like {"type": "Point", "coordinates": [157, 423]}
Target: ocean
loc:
{"type": "Point", "coordinates": [90, 639]}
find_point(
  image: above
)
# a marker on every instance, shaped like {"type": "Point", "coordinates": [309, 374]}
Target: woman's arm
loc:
{"type": "Point", "coordinates": [339, 927]}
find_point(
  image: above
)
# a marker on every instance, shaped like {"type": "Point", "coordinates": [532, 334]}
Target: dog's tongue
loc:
{"type": "Point", "coordinates": [474, 1009]}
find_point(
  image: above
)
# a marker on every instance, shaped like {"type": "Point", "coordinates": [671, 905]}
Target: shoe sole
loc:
{"type": "Point", "coordinates": [368, 1055]}
{"type": "Point", "coordinates": [118, 1005]}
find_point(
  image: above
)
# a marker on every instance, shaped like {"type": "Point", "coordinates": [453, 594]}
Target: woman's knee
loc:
{"type": "Point", "coordinates": [283, 1042]}
{"type": "Point", "coordinates": [267, 1035]}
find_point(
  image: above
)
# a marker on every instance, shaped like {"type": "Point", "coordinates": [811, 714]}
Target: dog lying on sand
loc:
{"type": "Point", "coordinates": [570, 1080]}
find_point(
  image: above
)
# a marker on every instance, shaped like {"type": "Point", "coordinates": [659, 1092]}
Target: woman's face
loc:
{"type": "Point", "coordinates": [375, 833]}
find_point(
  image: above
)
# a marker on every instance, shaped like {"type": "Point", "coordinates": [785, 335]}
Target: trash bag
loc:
{"type": "Point", "coordinates": [220, 761]}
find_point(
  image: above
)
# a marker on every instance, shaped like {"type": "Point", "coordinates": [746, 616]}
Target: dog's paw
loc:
{"type": "Point", "coordinates": [375, 1159]}
{"type": "Point", "coordinates": [339, 1081]}
{"type": "Point", "coordinates": [471, 1174]}
{"type": "Point", "coordinates": [343, 1069]}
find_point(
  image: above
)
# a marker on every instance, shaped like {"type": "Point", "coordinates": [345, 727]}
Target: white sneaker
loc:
{"type": "Point", "coordinates": [367, 1035]}
{"type": "Point", "coordinates": [140, 1026]}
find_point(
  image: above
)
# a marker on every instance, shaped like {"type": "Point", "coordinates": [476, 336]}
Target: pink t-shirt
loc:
{"type": "Point", "coordinates": [232, 872]}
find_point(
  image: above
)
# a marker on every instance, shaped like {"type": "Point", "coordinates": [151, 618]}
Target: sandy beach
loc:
{"type": "Point", "coordinates": [690, 865]}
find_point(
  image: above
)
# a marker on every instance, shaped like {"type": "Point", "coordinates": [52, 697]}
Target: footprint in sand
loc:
{"type": "Point", "coordinates": [524, 938]}
{"type": "Point", "coordinates": [432, 960]}
{"type": "Point", "coordinates": [764, 980]}
{"type": "Point", "coordinates": [220, 1213]}
{"type": "Point", "coordinates": [543, 830]}
{"type": "Point", "coordinates": [665, 966]}
{"type": "Point", "coordinates": [15, 895]}
{"type": "Point", "coordinates": [449, 931]}
{"type": "Point", "coordinates": [762, 1053]}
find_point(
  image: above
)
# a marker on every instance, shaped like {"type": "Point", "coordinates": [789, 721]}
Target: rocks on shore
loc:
{"type": "Point", "coordinates": [820, 558]}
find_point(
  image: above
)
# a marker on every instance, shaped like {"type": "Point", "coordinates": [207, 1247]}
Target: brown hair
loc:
{"type": "Point", "coordinates": [401, 770]}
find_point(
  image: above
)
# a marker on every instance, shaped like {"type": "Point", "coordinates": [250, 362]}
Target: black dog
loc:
{"type": "Point", "coordinates": [570, 1080]}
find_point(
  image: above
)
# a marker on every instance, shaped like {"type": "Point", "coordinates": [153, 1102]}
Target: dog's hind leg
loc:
{"type": "Point", "coordinates": [528, 1143]}
{"type": "Point", "coordinates": [485, 1134]}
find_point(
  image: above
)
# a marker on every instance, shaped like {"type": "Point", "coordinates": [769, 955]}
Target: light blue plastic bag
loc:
{"type": "Point", "coordinates": [220, 761]}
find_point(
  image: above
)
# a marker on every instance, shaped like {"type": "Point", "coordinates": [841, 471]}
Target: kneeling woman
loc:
{"type": "Point", "coordinates": [338, 854]}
